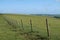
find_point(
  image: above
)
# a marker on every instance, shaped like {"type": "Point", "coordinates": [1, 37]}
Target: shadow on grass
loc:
{"type": "Point", "coordinates": [33, 35]}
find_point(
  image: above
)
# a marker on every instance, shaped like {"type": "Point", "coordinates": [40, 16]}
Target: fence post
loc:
{"type": "Point", "coordinates": [22, 25]}
{"type": "Point", "coordinates": [31, 25]}
{"type": "Point", "coordinates": [47, 28]}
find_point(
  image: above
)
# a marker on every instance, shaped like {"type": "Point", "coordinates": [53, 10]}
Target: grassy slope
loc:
{"type": "Point", "coordinates": [6, 32]}
{"type": "Point", "coordinates": [38, 25]}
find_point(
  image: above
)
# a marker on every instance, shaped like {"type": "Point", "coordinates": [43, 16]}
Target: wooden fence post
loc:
{"type": "Point", "coordinates": [31, 25]}
{"type": "Point", "coordinates": [22, 25]}
{"type": "Point", "coordinates": [47, 29]}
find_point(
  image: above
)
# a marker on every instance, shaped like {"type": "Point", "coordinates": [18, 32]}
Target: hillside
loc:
{"type": "Point", "coordinates": [38, 25]}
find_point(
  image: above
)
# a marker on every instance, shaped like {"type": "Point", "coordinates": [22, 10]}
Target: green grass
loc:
{"type": "Point", "coordinates": [38, 22]}
{"type": "Point", "coordinates": [5, 31]}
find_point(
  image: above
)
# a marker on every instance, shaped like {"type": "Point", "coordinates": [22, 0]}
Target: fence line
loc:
{"type": "Point", "coordinates": [9, 22]}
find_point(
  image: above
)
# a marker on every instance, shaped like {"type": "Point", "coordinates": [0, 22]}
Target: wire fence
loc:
{"type": "Point", "coordinates": [30, 35]}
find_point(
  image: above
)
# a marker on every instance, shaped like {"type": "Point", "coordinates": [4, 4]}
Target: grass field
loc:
{"type": "Point", "coordinates": [38, 23]}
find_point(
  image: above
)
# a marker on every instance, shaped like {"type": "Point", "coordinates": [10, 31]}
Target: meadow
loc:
{"type": "Point", "coordinates": [11, 27]}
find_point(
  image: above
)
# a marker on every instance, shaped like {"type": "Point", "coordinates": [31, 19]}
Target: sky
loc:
{"type": "Point", "coordinates": [30, 6]}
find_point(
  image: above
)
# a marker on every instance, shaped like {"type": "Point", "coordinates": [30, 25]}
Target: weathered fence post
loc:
{"type": "Point", "coordinates": [22, 25]}
{"type": "Point", "coordinates": [47, 29]}
{"type": "Point", "coordinates": [31, 25]}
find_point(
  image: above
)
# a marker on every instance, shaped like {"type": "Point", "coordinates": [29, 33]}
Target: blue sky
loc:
{"type": "Point", "coordinates": [30, 6]}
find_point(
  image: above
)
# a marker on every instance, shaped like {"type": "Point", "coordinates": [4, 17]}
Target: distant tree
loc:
{"type": "Point", "coordinates": [0, 13]}
{"type": "Point", "coordinates": [56, 17]}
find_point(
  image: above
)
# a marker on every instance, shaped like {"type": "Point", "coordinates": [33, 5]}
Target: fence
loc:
{"type": "Point", "coordinates": [30, 34]}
